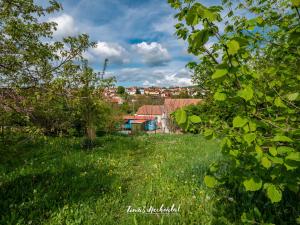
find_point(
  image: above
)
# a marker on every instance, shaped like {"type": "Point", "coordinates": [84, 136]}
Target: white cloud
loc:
{"type": "Point", "coordinates": [166, 25]}
{"type": "Point", "coordinates": [66, 26]}
{"type": "Point", "coordinates": [146, 83]}
{"type": "Point", "coordinates": [112, 51]}
{"type": "Point", "coordinates": [175, 80]}
{"type": "Point", "coordinates": [149, 21]}
{"type": "Point", "coordinates": [153, 54]}
{"type": "Point", "coordinates": [155, 77]}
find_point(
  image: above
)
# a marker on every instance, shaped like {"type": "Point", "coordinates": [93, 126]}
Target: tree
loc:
{"type": "Point", "coordinates": [183, 94]}
{"type": "Point", "coordinates": [121, 90]}
{"type": "Point", "coordinates": [29, 57]}
{"type": "Point", "coordinates": [251, 77]}
{"type": "Point", "coordinates": [30, 60]}
{"type": "Point", "coordinates": [138, 91]}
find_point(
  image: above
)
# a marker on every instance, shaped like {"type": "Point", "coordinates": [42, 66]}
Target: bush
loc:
{"type": "Point", "coordinates": [250, 75]}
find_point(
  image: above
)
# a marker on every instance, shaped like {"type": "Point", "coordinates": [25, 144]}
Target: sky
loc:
{"type": "Point", "coordinates": [137, 36]}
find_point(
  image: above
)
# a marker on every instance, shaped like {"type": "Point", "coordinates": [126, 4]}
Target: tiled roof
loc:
{"type": "Point", "coordinates": [138, 121]}
{"type": "Point", "coordinates": [138, 117]}
{"type": "Point", "coordinates": [151, 110]}
{"type": "Point", "coordinates": [172, 104]}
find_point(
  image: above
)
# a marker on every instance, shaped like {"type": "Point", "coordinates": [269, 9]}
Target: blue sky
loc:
{"type": "Point", "coordinates": [137, 36]}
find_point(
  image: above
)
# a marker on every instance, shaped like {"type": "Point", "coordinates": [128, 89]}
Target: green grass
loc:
{"type": "Point", "coordinates": [59, 183]}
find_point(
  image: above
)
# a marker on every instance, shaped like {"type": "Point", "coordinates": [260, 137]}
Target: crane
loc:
{"type": "Point", "coordinates": [104, 69]}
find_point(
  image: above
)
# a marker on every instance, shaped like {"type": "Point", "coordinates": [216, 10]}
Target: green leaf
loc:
{"type": "Point", "coordinates": [252, 126]}
{"type": "Point", "coordinates": [293, 96]}
{"type": "Point", "coordinates": [233, 47]}
{"type": "Point", "coordinates": [239, 121]}
{"type": "Point", "coordinates": [273, 151]}
{"type": "Point", "coordinates": [290, 166]}
{"type": "Point", "coordinates": [281, 138]}
{"type": "Point", "coordinates": [266, 162]}
{"type": "Point", "coordinates": [259, 152]}
{"type": "Point", "coordinates": [253, 184]}
{"type": "Point", "coordinates": [249, 138]}
{"type": "Point", "coordinates": [294, 156]}
{"type": "Point", "coordinates": [210, 181]}
{"type": "Point", "coordinates": [279, 103]}
{"type": "Point", "coordinates": [219, 96]}
{"type": "Point", "coordinates": [195, 119]}
{"type": "Point", "coordinates": [274, 193]}
{"type": "Point", "coordinates": [192, 18]}
{"type": "Point", "coordinates": [219, 73]}
{"type": "Point", "coordinates": [255, 75]}
{"type": "Point", "coordinates": [180, 116]}
{"type": "Point", "coordinates": [208, 132]}
{"type": "Point", "coordinates": [211, 16]}
{"type": "Point", "coordinates": [234, 152]}
{"type": "Point", "coordinates": [213, 167]}
{"type": "Point", "coordinates": [259, 20]}
{"type": "Point", "coordinates": [296, 3]}
{"type": "Point", "coordinates": [283, 149]}
{"type": "Point", "coordinates": [246, 93]}
{"type": "Point", "coordinates": [199, 38]}
{"type": "Point", "coordinates": [276, 160]}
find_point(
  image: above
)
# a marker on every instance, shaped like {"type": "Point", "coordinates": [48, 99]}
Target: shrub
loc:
{"type": "Point", "coordinates": [250, 74]}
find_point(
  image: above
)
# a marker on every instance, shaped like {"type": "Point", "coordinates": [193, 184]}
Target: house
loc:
{"type": "Point", "coordinates": [131, 90]}
{"type": "Point", "coordinates": [165, 94]}
{"type": "Point", "coordinates": [109, 92]}
{"type": "Point", "coordinates": [151, 110]}
{"type": "Point", "coordinates": [152, 91]}
{"type": "Point", "coordinates": [162, 112]}
{"type": "Point", "coordinates": [172, 105]}
{"type": "Point", "coordinates": [142, 91]}
{"type": "Point", "coordinates": [139, 123]}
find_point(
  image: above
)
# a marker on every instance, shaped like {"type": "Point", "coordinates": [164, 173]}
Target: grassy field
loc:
{"type": "Point", "coordinates": [59, 183]}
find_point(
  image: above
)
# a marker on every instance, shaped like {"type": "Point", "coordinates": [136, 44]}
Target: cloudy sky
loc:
{"type": "Point", "coordinates": [137, 36]}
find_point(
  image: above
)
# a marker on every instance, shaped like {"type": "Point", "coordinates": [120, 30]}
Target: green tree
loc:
{"type": "Point", "coordinates": [32, 62]}
{"type": "Point", "coordinates": [251, 78]}
{"type": "Point", "coordinates": [183, 94]}
{"type": "Point", "coordinates": [138, 91]}
{"type": "Point", "coordinates": [29, 57]}
{"type": "Point", "coordinates": [121, 90]}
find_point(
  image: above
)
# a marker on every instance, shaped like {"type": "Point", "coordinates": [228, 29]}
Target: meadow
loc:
{"type": "Point", "coordinates": [57, 182]}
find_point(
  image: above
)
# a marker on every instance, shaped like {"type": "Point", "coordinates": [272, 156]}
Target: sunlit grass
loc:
{"type": "Point", "coordinates": [59, 183]}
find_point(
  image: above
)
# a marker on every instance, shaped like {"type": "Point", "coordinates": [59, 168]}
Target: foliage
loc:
{"type": "Point", "coordinates": [133, 103]}
{"type": "Point", "coordinates": [29, 55]}
{"type": "Point", "coordinates": [45, 85]}
{"type": "Point", "coordinates": [250, 71]}
{"type": "Point", "coordinates": [138, 91]}
{"type": "Point", "coordinates": [30, 62]}
{"type": "Point", "coordinates": [121, 90]}
{"type": "Point", "coordinates": [183, 94]}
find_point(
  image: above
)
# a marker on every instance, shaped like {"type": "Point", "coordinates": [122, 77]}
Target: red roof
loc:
{"type": "Point", "coordinates": [139, 117]}
{"type": "Point", "coordinates": [138, 121]}
{"type": "Point", "coordinates": [172, 105]}
{"type": "Point", "coordinates": [151, 110]}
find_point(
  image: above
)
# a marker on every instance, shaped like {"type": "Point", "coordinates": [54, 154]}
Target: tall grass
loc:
{"type": "Point", "coordinates": [57, 182]}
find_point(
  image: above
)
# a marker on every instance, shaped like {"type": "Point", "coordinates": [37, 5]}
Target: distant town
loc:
{"type": "Point", "coordinates": [117, 94]}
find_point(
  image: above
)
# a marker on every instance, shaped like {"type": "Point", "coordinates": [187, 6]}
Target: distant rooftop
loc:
{"type": "Point", "coordinates": [151, 110]}
{"type": "Point", "coordinates": [169, 106]}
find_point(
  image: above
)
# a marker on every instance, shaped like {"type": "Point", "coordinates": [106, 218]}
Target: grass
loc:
{"type": "Point", "coordinates": [59, 183]}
